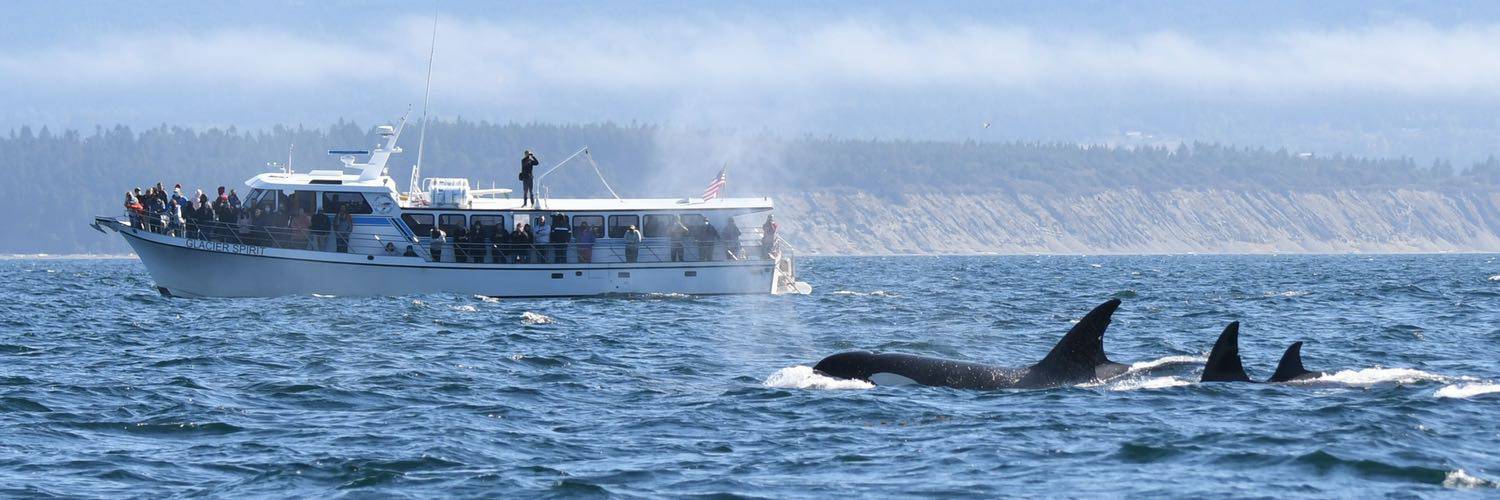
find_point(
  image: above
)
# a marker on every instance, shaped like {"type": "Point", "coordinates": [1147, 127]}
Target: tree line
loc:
{"type": "Point", "coordinates": [62, 178]}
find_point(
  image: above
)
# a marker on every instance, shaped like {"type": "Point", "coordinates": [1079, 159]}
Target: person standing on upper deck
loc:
{"type": "Point", "coordinates": [528, 193]}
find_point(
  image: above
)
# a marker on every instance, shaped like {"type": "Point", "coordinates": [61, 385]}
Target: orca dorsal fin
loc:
{"type": "Point", "coordinates": [1224, 361]}
{"type": "Point", "coordinates": [1290, 366]}
{"type": "Point", "coordinates": [1082, 348]}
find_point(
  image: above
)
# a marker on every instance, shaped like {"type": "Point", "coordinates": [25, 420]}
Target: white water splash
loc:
{"type": "Point", "coordinates": [1288, 293]}
{"type": "Point", "coordinates": [1458, 479]}
{"type": "Point", "coordinates": [321, 296]}
{"type": "Point", "coordinates": [1096, 266]}
{"type": "Point", "coordinates": [1374, 376]}
{"type": "Point", "coordinates": [803, 377]}
{"type": "Point", "coordinates": [465, 308]}
{"type": "Point", "coordinates": [487, 298]}
{"type": "Point", "coordinates": [1134, 383]}
{"type": "Point", "coordinates": [531, 318]}
{"type": "Point", "coordinates": [1495, 277]}
{"type": "Point", "coordinates": [1141, 366]}
{"type": "Point", "coordinates": [1462, 391]}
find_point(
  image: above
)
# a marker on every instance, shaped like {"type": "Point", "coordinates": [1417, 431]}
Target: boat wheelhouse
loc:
{"type": "Point", "coordinates": [445, 237]}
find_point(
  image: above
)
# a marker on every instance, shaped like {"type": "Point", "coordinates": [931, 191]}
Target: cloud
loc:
{"type": "Point", "coordinates": [499, 59]}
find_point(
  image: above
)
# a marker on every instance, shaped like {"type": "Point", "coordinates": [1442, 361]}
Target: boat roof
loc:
{"type": "Point", "coordinates": [626, 204]}
{"type": "Point", "coordinates": [322, 180]}
{"type": "Point", "coordinates": [334, 180]}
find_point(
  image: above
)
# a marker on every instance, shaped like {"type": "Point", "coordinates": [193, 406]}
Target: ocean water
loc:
{"type": "Point", "coordinates": [108, 389]}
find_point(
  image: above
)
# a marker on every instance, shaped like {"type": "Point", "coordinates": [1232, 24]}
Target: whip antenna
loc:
{"type": "Point", "coordinates": [416, 171]}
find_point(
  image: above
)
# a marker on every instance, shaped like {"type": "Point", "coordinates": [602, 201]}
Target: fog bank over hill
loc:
{"type": "Point", "coordinates": [836, 196]}
{"type": "Point", "coordinates": [1367, 78]}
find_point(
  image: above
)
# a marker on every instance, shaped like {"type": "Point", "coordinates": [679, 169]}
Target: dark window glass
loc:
{"type": "Point", "coordinates": [595, 222]}
{"type": "Point", "coordinates": [618, 223]}
{"type": "Point", "coordinates": [353, 202]}
{"type": "Point", "coordinates": [450, 222]}
{"type": "Point", "coordinates": [489, 222]}
{"type": "Point", "coordinates": [305, 200]}
{"type": "Point", "coordinates": [656, 226]}
{"type": "Point", "coordinates": [420, 224]}
{"type": "Point", "coordinates": [694, 222]}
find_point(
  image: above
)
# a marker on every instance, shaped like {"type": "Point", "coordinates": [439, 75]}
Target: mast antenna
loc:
{"type": "Point", "coordinates": [416, 171]}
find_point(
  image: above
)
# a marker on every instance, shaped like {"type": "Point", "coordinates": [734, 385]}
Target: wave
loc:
{"type": "Point", "coordinates": [1288, 293]}
{"type": "Point", "coordinates": [465, 308]}
{"type": "Point", "coordinates": [877, 293]}
{"type": "Point", "coordinates": [486, 298]}
{"type": "Point", "coordinates": [1495, 277]}
{"type": "Point", "coordinates": [73, 256]}
{"type": "Point", "coordinates": [531, 318]}
{"type": "Point", "coordinates": [803, 377]}
{"type": "Point", "coordinates": [1463, 391]}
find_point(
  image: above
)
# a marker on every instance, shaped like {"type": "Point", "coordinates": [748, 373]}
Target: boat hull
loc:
{"type": "Point", "coordinates": [199, 268]}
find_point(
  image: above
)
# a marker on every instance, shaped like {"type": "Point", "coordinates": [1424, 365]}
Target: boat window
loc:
{"type": "Point", "coordinates": [305, 200]}
{"type": "Point", "coordinates": [353, 202]}
{"type": "Point", "coordinates": [450, 222]}
{"type": "Point", "coordinates": [261, 198]}
{"type": "Point", "coordinates": [420, 224]}
{"type": "Point", "coordinates": [595, 222]}
{"type": "Point", "coordinates": [618, 223]}
{"type": "Point", "coordinates": [489, 221]}
{"type": "Point", "coordinates": [656, 226]}
{"type": "Point", "coordinates": [693, 222]}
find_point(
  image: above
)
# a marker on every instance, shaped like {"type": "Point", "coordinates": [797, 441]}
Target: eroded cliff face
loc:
{"type": "Point", "coordinates": [1135, 221]}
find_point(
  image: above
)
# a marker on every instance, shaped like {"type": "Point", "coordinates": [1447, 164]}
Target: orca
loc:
{"type": "Point", "coordinates": [1290, 368]}
{"type": "Point", "coordinates": [1079, 357]}
{"type": "Point", "coordinates": [1224, 363]}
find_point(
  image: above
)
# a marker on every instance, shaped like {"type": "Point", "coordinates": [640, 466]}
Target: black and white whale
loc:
{"type": "Point", "coordinates": [1078, 358]}
{"type": "Point", "coordinates": [1224, 363]}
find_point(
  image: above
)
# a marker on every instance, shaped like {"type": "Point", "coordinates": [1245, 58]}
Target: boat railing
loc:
{"type": "Point", "coordinates": [460, 250]}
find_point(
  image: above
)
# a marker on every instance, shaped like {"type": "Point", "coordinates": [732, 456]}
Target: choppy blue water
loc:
{"type": "Point", "coordinates": [108, 389]}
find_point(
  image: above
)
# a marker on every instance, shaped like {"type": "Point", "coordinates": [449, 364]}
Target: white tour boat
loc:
{"type": "Point", "coordinates": [392, 243]}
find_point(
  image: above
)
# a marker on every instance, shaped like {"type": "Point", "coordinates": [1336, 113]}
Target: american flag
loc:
{"type": "Point", "coordinates": [714, 187]}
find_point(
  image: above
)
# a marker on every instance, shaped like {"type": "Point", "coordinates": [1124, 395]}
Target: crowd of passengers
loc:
{"type": "Point", "coordinates": [225, 219]}
{"type": "Point", "coordinates": [546, 241]}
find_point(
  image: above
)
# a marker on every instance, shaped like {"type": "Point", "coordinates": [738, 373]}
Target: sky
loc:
{"type": "Point", "coordinates": [1413, 79]}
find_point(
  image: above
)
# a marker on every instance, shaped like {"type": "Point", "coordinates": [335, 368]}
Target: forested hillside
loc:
{"type": "Point", "coordinates": [959, 197]}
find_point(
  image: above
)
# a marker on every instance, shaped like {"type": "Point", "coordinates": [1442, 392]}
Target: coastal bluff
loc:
{"type": "Point", "coordinates": [1127, 221]}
